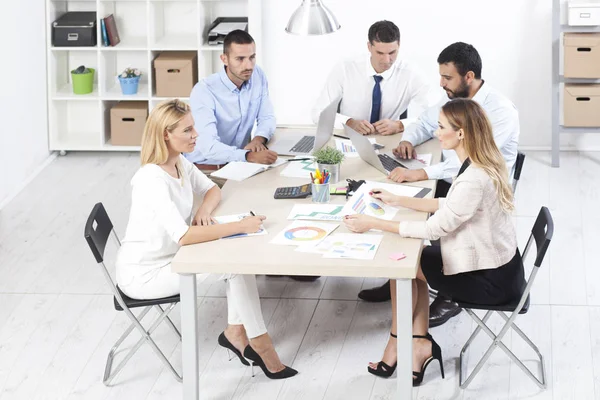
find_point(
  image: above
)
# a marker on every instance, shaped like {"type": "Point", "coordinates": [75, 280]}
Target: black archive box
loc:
{"type": "Point", "coordinates": [75, 28]}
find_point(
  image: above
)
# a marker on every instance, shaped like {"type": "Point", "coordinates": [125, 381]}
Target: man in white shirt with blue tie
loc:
{"type": "Point", "coordinates": [377, 90]}
{"type": "Point", "coordinates": [460, 76]}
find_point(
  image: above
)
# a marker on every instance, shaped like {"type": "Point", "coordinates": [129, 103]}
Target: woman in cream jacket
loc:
{"type": "Point", "coordinates": [478, 260]}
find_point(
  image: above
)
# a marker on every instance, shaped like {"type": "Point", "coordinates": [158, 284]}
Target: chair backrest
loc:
{"type": "Point", "coordinates": [97, 230]}
{"type": "Point", "coordinates": [542, 232]}
{"type": "Point", "coordinates": [518, 168]}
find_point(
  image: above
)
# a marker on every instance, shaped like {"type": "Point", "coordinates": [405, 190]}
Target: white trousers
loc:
{"type": "Point", "coordinates": [243, 302]}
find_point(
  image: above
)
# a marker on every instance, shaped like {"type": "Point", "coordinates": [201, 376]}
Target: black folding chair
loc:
{"type": "Point", "coordinates": [518, 168]}
{"type": "Point", "coordinates": [97, 230]}
{"type": "Point", "coordinates": [542, 232]}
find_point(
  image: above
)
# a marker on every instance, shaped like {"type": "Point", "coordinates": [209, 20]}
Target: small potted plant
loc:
{"type": "Point", "coordinates": [83, 80]}
{"type": "Point", "coordinates": [129, 80]}
{"type": "Point", "coordinates": [330, 159]}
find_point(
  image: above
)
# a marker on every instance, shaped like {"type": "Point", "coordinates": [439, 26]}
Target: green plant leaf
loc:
{"type": "Point", "coordinates": [328, 155]}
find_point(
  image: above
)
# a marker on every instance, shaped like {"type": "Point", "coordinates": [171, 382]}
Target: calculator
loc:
{"type": "Point", "coordinates": [292, 192]}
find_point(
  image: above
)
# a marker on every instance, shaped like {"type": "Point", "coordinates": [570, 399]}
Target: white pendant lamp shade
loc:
{"type": "Point", "coordinates": [312, 18]}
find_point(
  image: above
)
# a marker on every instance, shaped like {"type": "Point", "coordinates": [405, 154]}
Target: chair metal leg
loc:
{"type": "Point", "coordinates": [462, 382]}
{"type": "Point", "coordinates": [113, 350]}
{"type": "Point", "coordinates": [540, 382]}
{"type": "Point", "coordinates": [497, 342]}
{"type": "Point", "coordinates": [145, 337]}
{"type": "Point", "coordinates": [170, 322]}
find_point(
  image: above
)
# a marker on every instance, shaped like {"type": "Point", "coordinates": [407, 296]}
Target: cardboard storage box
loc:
{"type": "Point", "coordinates": [582, 55]}
{"type": "Point", "coordinates": [127, 120]}
{"type": "Point", "coordinates": [581, 105]}
{"type": "Point", "coordinates": [176, 73]}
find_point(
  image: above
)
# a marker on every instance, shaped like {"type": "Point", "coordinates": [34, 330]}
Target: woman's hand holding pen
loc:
{"type": "Point", "coordinates": [251, 224]}
{"type": "Point", "coordinates": [384, 195]}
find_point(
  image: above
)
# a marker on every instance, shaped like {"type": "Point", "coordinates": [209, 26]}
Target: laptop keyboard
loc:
{"type": "Point", "coordinates": [388, 162]}
{"type": "Point", "coordinates": [304, 145]}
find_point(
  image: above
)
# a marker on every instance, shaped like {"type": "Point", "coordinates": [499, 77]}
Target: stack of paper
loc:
{"type": "Point", "coordinates": [238, 170]}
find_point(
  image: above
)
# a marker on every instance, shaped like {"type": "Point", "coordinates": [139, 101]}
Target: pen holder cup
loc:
{"type": "Point", "coordinates": [320, 193]}
{"type": "Point", "coordinates": [333, 169]}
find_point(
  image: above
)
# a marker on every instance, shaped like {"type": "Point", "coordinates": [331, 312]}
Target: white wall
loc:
{"type": "Point", "coordinates": [23, 113]}
{"type": "Point", "coordinates": [512, 36]}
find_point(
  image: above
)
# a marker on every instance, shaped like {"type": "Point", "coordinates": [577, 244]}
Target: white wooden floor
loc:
{"type": "Point", "coordinates": [57, 322]}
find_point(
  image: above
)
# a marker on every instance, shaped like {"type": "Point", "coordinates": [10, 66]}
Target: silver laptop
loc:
{"type": "Point", "coordinates": [302, 144]}
{"type": "Point", "coordinates": [385, 162]}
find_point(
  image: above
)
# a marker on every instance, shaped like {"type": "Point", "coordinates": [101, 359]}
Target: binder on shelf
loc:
{"type": "Point", "coordinates": [104, 34]}
{"type": "Point", "coordinates": [222, 26]}
{"type": "Point", "coordinates": [111, 30]}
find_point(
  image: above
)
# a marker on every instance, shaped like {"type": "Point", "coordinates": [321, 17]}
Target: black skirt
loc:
{"type": "Point", "coordinates": [486, 287]}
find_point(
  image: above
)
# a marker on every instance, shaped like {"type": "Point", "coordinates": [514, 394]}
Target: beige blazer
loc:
{"type": "Point", "coordinates": [475, 233]}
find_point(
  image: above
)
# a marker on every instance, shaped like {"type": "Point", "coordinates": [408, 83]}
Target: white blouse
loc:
{"type": "Point", "coordinates": [161, 213]}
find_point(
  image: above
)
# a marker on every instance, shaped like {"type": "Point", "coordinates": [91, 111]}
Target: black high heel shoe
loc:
{"type": "Point", "coordinates": [224, 342]}
{"type": "Point", "coordinates": [383, 370]}
{"type": "Point", "coordinates": [253, 356]}
{"type": "Point", "coordinates": [436, 354]}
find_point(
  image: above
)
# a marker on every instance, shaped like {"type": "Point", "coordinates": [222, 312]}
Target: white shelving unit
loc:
{"type": "Point", "coordinates": [146, 28]}
{"type": "Point", "coordinates": [559, 27]}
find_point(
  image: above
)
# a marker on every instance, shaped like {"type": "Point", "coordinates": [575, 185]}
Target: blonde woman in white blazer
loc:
{"type": "Point", "coordinates": [478, 260]}
{"type": "Point", "coordinates": [161, 221]}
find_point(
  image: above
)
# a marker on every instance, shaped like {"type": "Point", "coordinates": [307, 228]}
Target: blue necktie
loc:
{"type": "Point", "coordinates": [376, 108]}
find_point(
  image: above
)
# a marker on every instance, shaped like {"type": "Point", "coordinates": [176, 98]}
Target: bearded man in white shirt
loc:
{"type": "Point", "coordinates": [460, 76]}
{"type": "Point", "coordinates": [377, 90]}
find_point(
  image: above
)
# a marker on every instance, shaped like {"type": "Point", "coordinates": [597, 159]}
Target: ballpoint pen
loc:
{"type": "Point", "coordinates": [299, 159]}
{"type": "Point", "coordinates": [252, 213]}
{"type": "Point", "coordinates": [341, 137]}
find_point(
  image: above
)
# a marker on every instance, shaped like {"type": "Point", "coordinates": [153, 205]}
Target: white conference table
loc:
{"type": "Point", "coordinates": [233, 255]}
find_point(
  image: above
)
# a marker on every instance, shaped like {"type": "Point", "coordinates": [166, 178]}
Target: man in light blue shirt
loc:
{"type": "Point", "coordinates": [227, 104]}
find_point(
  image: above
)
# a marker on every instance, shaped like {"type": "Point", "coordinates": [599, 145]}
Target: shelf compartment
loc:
{"type": "Point", "coordinates": [211, 10]}
{"type": "Point", "coordinates": [106, 120]}
{"type": "Point", "coordinates": [174, 25]}
{"type": "Point", "coordinates": [113, 63]}
{"type": "Point", "coordinates": [61, 63]}
{"type": "Point", "coordinates": [75, 125]}
{"type": "Point", "coordinates": [131, 18]}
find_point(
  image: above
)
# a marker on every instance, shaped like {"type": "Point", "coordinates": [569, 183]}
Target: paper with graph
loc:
{"type": "Point", "coordinates": [303, 232]}
{"type": "Point", "coordinates": [318, 212]}
{"type": "Point", "coordinates": [362, 202]}
{"type": "Point", "coordinates": [299, 169]}
{"type": "Point", "coordinates": [346, 245]}
{"type": "Point", "coordinates": [346, 146]}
